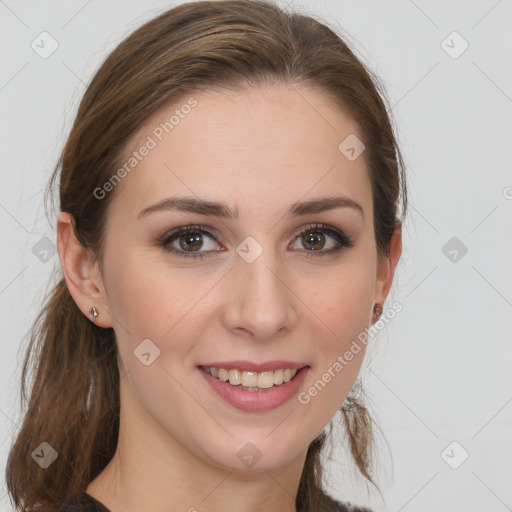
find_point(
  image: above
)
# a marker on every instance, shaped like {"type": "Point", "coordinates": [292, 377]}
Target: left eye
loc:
{"type": "Point", "coordinates": [314, 239]}
{"type": "Point", "coordinates": [190, 240]}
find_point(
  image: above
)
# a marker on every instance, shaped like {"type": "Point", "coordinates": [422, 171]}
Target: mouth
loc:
{"type": "Point", "coordinates": [251, 391]}
{"type": "Point", "coordinates": [252, 380]}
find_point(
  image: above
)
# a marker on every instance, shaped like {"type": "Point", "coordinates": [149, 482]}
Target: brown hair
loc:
{"type": "Point", "coordinates": [74, 391]}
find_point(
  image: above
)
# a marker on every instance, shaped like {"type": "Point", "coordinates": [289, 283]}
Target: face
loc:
{"type": "Point", "coordinates": [271, 283]}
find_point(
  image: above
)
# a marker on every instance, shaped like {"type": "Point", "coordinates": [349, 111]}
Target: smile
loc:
{"type": "Point", "coordinates": [251, 394]}
{"type": "Point", "coordinates": [252, 381]}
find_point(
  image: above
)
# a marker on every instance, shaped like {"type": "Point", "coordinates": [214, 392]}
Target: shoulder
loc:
{"type": "Point", "coordinates": [82, 502]}
{"type": "Point", "coordinates": [331, 505]}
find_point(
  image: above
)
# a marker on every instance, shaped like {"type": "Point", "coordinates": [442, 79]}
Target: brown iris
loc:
{"type": "Point", "coordinates": [311, 240]}
{"type": "Point", "coordinates": [193, 241]}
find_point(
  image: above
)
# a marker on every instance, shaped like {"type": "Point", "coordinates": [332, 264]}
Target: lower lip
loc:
{"type": "Point", "coordinates": [254, 401]}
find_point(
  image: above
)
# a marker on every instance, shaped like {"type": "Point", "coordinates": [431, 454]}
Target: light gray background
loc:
{"type": "Point", "coordinates": [441, 370]}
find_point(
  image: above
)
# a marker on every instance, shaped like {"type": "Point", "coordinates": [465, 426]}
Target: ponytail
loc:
{"type": "Point", "coordinates": [72, 414]}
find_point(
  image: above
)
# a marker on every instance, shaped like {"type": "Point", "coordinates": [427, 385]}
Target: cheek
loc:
{"type": "Point", "coordinates": [344, 304]}
{"type": "Point", "coordinates": [149, 300]}
{"type": "Point", "coordinates": [167, 307]}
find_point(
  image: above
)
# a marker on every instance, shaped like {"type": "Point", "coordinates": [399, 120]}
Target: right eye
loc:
{"type": "Point", "coordinates": [186, 241]}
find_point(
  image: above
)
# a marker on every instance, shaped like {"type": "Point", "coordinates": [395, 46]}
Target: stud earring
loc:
{"type": "Point", "coordinates": [94, 313]}
{"type": "Point", "coordinates": [377, 309]}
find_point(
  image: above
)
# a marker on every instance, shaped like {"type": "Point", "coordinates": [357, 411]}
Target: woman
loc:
{"type": "Point", "coordinates": [228, 230]}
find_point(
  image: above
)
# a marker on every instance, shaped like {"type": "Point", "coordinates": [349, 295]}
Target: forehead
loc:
{"type": "Point", "coordinates": [254, 147]}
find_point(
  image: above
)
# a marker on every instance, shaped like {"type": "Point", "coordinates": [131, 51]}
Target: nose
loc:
{"type": "Point", "coordinates": [259, 298]}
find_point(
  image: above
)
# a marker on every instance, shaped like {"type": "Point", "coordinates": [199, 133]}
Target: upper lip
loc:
{"type": "Point", "coordinates": [249, 366]}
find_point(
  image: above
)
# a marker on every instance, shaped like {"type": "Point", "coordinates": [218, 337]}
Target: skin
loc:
{"type": "Point", "coordinates": [259, 149]}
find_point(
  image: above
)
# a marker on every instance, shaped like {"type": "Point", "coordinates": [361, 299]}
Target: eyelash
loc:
{"type": "Point", "coordinates": [344, 240]}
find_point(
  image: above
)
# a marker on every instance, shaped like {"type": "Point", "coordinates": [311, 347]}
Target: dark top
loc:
{"type": "Point", "coordinates": [84, 502]}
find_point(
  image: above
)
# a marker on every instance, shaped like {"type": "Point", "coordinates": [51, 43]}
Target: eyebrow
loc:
{"type": "Point", "coordinates": [222, 210]}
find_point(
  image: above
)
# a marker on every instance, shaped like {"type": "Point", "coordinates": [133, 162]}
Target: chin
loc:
{"type": "Point", "coordinates": [255, 454]}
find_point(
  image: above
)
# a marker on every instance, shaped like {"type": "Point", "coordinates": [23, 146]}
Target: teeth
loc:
{"type": "Point", "coordinates": [235, 377]}
{"type": "Point", "coordinates": [263, 380]}
{"type": "Point", "coordinates": [278, 377]}
{"type": "Point", "coordinates": [249, 379]}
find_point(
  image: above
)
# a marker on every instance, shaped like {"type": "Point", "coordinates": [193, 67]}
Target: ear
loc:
{"type": "Point", "coordinates": [82, 276]}
{"type": "Point", "coordinates": [386, 269]}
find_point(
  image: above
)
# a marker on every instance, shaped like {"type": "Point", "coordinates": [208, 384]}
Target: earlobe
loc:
{"type": "Point", "coordinates": [81, 273]}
